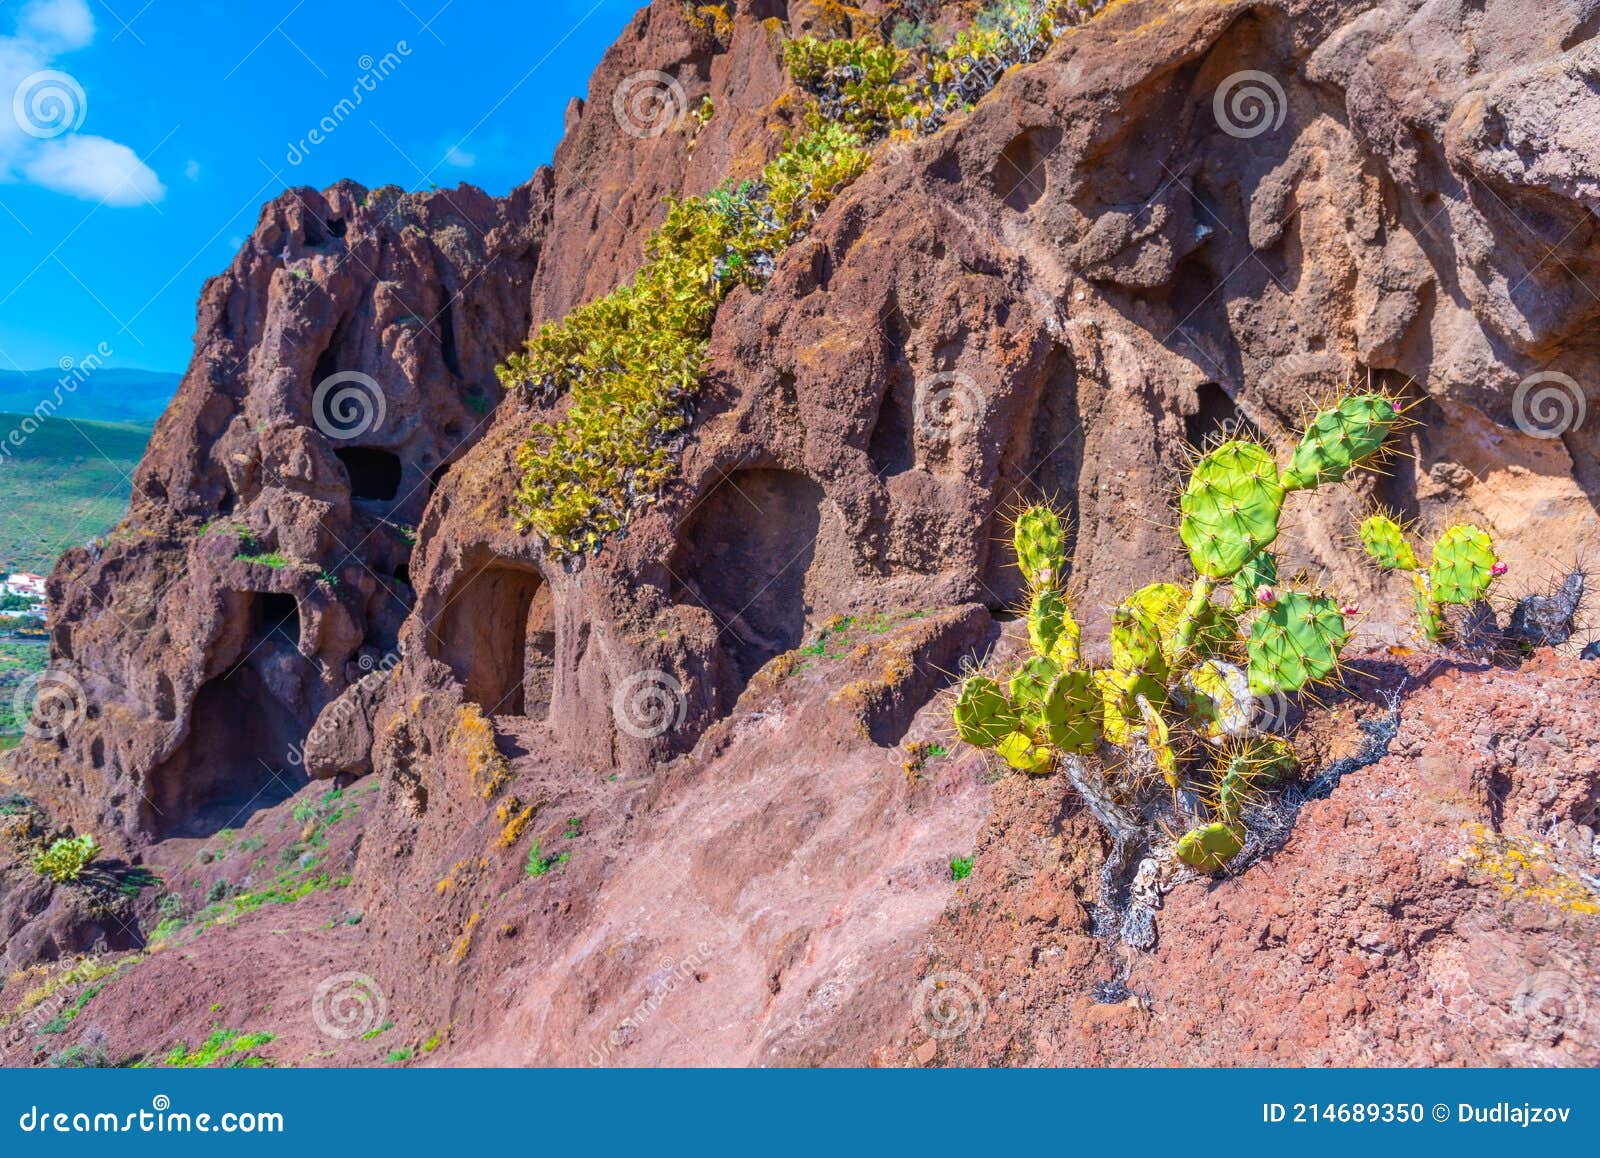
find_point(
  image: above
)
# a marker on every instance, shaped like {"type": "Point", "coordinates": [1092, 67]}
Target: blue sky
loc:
{"type": "Point", "coordinates": [142, 137]}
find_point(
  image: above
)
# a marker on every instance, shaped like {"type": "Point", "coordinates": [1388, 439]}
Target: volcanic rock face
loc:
{"type": "Point", "coordinates": [263, 564]}
{"type": "Point", "coordinates": [1111, 255]}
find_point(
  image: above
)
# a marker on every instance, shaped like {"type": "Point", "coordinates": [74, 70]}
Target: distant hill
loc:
{"type": "Point", "coordinates": [67, 483]}
{"type": "Point", "coordinates": [107, 395]}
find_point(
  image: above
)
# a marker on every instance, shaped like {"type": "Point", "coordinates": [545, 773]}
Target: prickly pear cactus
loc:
{"type": "Point", "coordinates": [1049, 618]}
{"type": "Point", "coordinates": [1209, 847]}
{"type": "Point", "coordinates": [1463, 565]}
{"type": "Point", "coordinates": [1071, 712]}
{"type": "Point", "coordinates": [1295, 642]}
{"type": "Point", "coordinates": [1135, 641]}
{"type": "Point", "coordinates": [1338, 439]}
{"type": "Point", "coordinates": [1230, 508]}
{"type": "Point", "coordinates": [983, 714]}
{"type": "Point", "coordinates": [1385, 541]}
{"type": "Point", "coordinates": [1041, 545]}
{"type": "Point", "coordinates": [1182, 695]}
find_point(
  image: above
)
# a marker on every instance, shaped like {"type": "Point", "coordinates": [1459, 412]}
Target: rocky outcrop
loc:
{"type": "Point", "coordinates": [1186, 218]}
{"type": "Point", "coordinates": [344, 363]}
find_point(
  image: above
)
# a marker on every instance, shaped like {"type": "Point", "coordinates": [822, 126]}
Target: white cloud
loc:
{"type": "Point", "coordinates": [59, 25]}
{"type": "Point", "coordinates": [191, 171]}
{"type": "Point", "coordinates": [94, 169]}
{"type": "Point", "coordinates": [41, 107]}
{"type": "Point", "coordinates": [458, 158]}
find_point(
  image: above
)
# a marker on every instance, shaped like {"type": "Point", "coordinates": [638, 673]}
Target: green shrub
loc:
{"type": "Point", "coordinates": [961, 867]}
{"type": "Point", "coordinates": [65, 859]}
{"type": "Point", "coordinates": [632, 359]}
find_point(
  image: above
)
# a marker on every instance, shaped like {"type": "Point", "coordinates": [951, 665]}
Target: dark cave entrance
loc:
{"type": "Point", "coordinates": [242, 750]}
{"type": "Point", "coordinates": [745, 554]}
{"type": "Point", "coordinates": [498, 635]}
{"type": "Point", "coordinates": [374, 474]}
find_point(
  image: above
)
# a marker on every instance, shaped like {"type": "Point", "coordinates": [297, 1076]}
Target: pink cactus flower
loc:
{"type": "Point", "coordinates": [1499, 569]}
{"type": "Point", "coordinates": [1265, 595]}
{"type": "Point", "coordinates": [1350, 609]}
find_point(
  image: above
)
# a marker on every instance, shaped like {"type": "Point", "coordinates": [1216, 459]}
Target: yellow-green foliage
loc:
{"type": "Point", "coordinates": [65, 859]}
{"type": "Point", "coordinates": [473, 736]}
{"type": "Point", "coordinates": [632, 359]}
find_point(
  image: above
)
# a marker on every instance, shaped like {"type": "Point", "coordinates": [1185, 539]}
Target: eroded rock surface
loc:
{"type": "Point", "coordinates": [1048, 298]}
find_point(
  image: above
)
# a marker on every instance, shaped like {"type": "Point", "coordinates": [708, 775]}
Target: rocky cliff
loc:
{"type": "Point", "coordinates": [1187, 216]}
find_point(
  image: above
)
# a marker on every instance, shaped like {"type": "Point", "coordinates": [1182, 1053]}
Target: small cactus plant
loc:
{"type": "Point", "coordinates": [1462, 568]}
{"type": "Point", "coordinates": [1180, 697]}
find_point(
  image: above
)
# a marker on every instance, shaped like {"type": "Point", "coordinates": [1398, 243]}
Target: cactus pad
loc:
{"type": "Point", "coordinates": [1024, 754]}
{"type": "Point", "coordinates": [1385, 541]}
{"type": "Point", "coordinates": [1339, 439]}
{"type": "Point", "coordinates": [1070, 712]}
{"type": "Point", "coordinates": [1029, 685]}
{"type": "Point", "coordinates": [1041, 546]}
{"type": "Point", "coordinates": [1135, 640]}
{"type": "Point", "coordinates": [1230, 508]}
{"type": "Point", "coordinates": [1210, 847]}
{"type": "Point", "coordinates": [983, 714]}
{"type": "Point", "coordinates": [1295, 642]}
{"type": "Point", "coordinates": [1463, 565]}
{"type": "Point", "coordinates": [1049, 618]}
{"type": "Point", "coordinates": [1119, 692]}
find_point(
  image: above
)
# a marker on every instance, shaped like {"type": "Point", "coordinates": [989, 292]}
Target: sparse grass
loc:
{"type": "Point", "coordinates": [272, 559]}
{"type": "Point", "coordinates": [382, 1029]}
{"type": "Point", "coordinates": [229, 1048]}
{"type": "Point", "coordinates": [399, 1055]}
{"type": "Point", "coordinates": [539, 864]}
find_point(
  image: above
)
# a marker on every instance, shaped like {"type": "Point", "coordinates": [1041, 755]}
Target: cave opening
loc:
{"type": "Point", "coordinates": [497, 633]}
{"type": "Point", "coordinates": [241, 750]}
{"type": "Point", "coordinates": [374, 473]}
{"type": "Point", "coordinates": [745, 555]}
